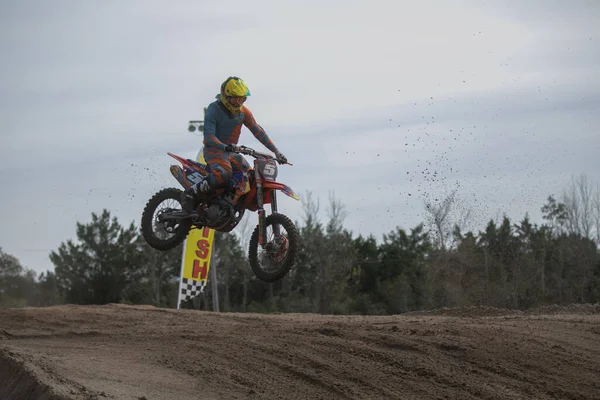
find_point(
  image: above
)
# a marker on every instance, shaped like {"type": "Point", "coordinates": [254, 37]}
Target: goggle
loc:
{"type": "Point", "coordinates": [237, 101]}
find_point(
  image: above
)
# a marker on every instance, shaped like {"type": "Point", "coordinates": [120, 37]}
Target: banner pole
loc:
{"type": "Point", "coordinates": [215, 287]}
{"type": "Point", "coordinates": [181, 274]}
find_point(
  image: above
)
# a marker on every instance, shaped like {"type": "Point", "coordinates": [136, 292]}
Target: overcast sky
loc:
{"type": "Point", "coordinates": [385, 103]}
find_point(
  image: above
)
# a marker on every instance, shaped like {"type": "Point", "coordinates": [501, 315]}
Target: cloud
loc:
{"type": "Point", "coordinates": [384, 104]}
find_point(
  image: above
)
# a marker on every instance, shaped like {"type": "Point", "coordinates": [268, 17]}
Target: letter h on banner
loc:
{"type": "Point", "coordinates": [195, 263]}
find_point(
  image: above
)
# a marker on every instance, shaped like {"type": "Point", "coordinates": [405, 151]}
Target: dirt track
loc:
{"type": "Point", "coordinates": [123, 352]}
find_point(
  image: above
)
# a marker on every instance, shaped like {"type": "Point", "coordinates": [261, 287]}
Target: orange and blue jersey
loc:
{"type": "Point", "coordinates": [220, 128]}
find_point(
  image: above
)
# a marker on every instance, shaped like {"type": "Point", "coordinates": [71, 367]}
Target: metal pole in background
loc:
{"type": "Point", "coordinates": [213, 271]}
{"type": "Point", "coordinates": [181, 276]}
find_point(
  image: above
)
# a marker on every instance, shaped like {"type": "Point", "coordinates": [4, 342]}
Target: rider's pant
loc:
{"type": "Point", "coordinates": [222, 165]}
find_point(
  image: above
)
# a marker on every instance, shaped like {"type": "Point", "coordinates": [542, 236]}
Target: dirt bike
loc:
{"type": "Point", "coordinates": [223, 208]}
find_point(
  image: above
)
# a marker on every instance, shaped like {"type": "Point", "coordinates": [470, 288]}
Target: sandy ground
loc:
{"type": "Point", "coordinates": [144, 353]}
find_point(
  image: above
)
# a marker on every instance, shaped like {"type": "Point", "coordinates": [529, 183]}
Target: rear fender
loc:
{"type": "Point", "coordinates": [187, 163]}
{"type": "Point", "coordinates": [191, 172]}
{"type": "Point", "coordinates": [178, 174]}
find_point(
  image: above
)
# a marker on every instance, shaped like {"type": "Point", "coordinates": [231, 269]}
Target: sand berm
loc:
{"type": "Point", "coordinates": [146, 353]}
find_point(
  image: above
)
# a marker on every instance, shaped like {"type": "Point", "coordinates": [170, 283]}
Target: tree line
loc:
{"type": "Point", "coordinates": [437, 263]}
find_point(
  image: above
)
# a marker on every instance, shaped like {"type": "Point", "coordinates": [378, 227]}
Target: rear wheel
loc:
{"type": "Point", "coordinates": [164, 233]}
{"type": "Point", "coordinates": [279, 253]}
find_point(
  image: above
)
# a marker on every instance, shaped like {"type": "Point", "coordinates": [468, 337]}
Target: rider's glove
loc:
{"type": "Point", "coordinates": [231, 148]}
{"type": "Point", "coordinates": [280, 157]}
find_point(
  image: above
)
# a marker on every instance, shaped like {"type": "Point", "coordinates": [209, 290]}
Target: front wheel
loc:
{"type": "Point", "coordinates": [279, 252]}
{"type": "Point", "coordinates": [169, 232]}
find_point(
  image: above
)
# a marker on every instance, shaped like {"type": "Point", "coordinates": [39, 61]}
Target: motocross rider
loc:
{"type": "Point", "coordinates": [222, 127]}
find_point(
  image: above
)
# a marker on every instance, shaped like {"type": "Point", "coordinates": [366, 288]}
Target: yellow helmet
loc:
{"type": "Point", "coordinates": [233, 93]}
{"type": "Point", "coordinates": [234, 87]}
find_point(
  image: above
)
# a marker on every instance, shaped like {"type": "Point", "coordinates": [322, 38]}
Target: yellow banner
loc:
{"type": "Point", "coordinates": [198, 247]}
{"type": "Point", "coordinates": [200, 156]}
{"type": "Point", "coordinates": [196, 258]}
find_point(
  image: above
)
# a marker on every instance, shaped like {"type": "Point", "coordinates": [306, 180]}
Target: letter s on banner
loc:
{"type": "Point", "coordinates": [198, 247]}
{"type": "Point", "coordinates": [195, 263]}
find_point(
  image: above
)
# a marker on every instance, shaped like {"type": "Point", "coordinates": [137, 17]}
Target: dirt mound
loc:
{"type": "Point", "coordinates": [473, 311]}
{"type": "Point", "coordinates": [485, 311]}
{"type": "Point", "coordinates": [141, 352]}
{"type": "Point", "coordinates": [570, 309]}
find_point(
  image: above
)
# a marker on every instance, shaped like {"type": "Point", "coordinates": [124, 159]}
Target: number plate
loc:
{"type": "Point", "coordinates": [268, 168]}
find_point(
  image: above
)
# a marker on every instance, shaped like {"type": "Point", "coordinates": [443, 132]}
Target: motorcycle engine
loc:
{"type": "Point", "coordinates": [219, 213]}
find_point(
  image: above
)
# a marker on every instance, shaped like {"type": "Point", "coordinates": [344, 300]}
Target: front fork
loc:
{"type": "Point", "coordinates": [262, 217]}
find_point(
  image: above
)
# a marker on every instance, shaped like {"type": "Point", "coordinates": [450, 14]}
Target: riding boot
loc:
{"type": "Point", "coordinates": [188, 197]}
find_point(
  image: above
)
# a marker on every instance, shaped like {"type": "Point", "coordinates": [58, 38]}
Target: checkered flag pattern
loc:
{"type": "Point", "coordinates": [190, 288]}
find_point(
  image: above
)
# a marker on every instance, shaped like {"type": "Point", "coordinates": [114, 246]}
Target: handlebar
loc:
{"type": "Point", "coordinates": [256, 154]}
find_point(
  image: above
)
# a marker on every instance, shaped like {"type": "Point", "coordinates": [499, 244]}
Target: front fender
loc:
{"type": "Point", "coordinates": [280, 186]}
